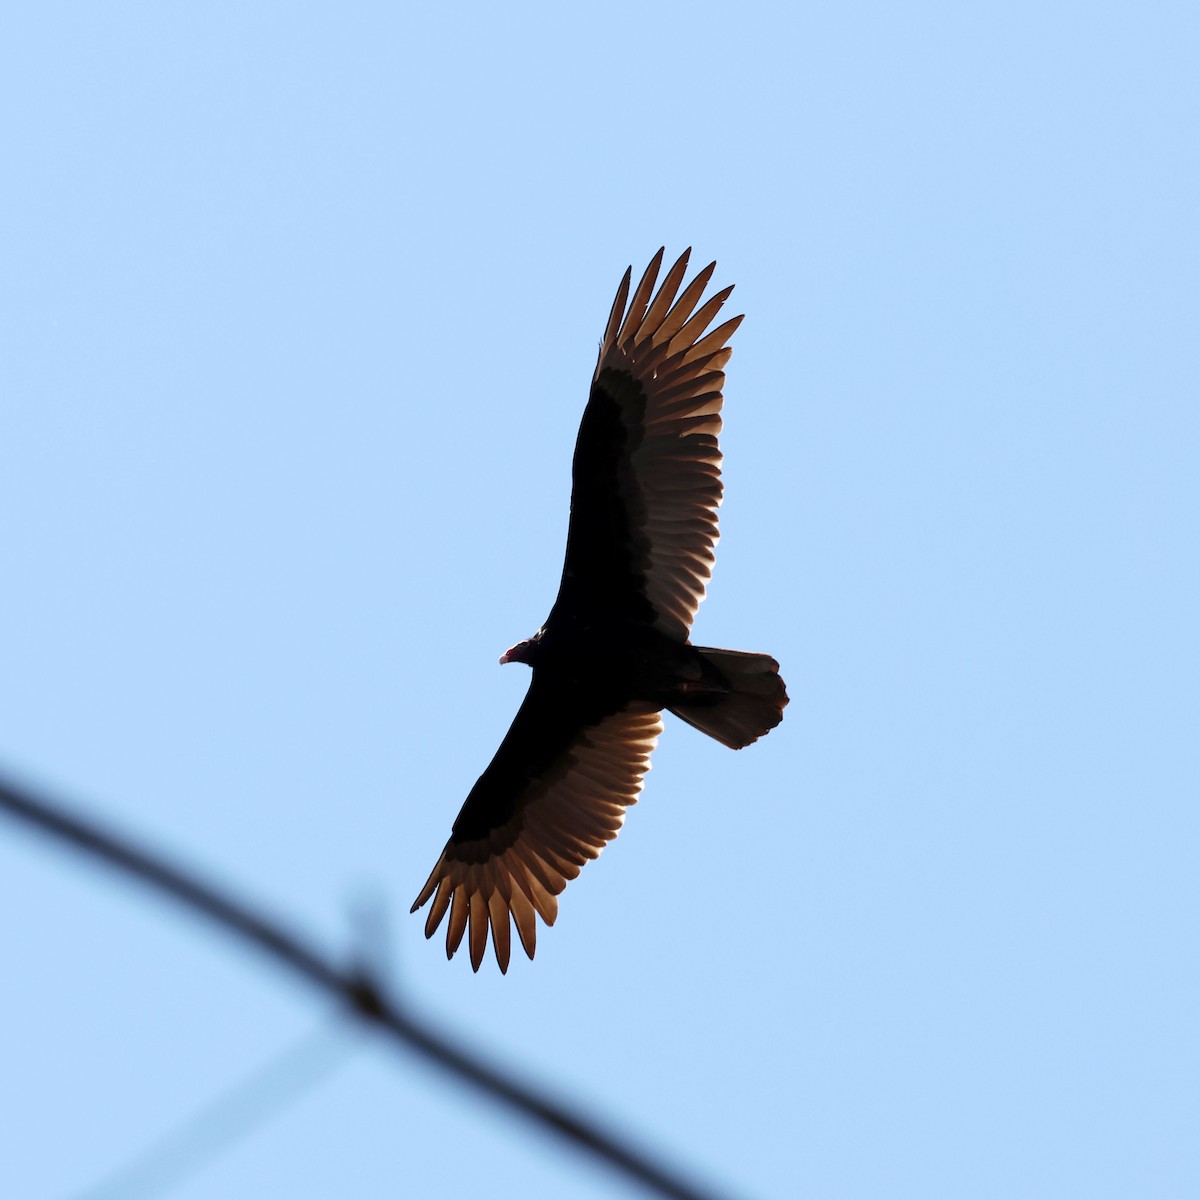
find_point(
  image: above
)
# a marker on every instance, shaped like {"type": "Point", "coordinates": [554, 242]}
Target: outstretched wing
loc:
{"type": "Point", "coordinates": [647, 468]}
{"type": "Point", "coordinates": [552, 797]}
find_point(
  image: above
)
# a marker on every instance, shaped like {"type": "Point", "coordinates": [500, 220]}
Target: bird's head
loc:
{"type": "Point", "coordinates": [523, 652]}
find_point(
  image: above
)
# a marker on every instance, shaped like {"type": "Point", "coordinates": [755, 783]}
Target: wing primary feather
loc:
{"type": "Point", "coordinates": [685, 364]}
{"type": "Point", "coordinates": [441, 902]}
{"type": "Point", "coordinates": [435, 877]}
{"type": "Point", "coordinates": [499, 907]}
{"type": "Point", "coordinates": [459, 907]}
{"type": "Point", "coordinates": [699, 387]}
{"type": "Point", "coordinates": [523, 915]}
{"type": "Point", "coordinates": [717, 339]}
{"type": "Point", "coordinates": [637, 306]}
{"type": "Point", "coordinates": [690, 330]}
{"type": "Point", "coordinates": [479, 928]}
{"type": "Point", "coordinates": [666, 293]}
{"type": "Point", "coordinates": [683, 307]}
{"type": "Point", "coordinates": [542, 890]}
{"type": "Point", "coordinates": [615, 315]}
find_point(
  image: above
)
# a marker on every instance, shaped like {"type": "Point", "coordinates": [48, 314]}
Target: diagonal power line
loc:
{"type": "Point", "coordinates": [354, 987]}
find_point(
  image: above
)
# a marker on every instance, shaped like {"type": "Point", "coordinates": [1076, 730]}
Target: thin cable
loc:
{"type": "Point", "coordinates": [231, 1117]}
{"type": "Point", "coordinates": [354, 987]}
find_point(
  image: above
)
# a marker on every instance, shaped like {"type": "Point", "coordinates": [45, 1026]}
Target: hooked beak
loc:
{"type": "Point", "coordinates": [517, 653]}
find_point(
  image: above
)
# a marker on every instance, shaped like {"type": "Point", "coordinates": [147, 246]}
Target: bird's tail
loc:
{"type": "Point", "coordinates": [751, 705]}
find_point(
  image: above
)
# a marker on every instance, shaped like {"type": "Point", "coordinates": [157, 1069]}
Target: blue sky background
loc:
{"type": "Point", "coordinates": [299, 308]}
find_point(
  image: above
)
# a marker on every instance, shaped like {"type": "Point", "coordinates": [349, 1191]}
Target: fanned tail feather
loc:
{"type": "Point", "coordinates": [753, 705]}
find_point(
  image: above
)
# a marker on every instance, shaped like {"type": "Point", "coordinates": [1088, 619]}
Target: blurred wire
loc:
{"type": "Point", "coordinates": [228, 1118]}
{"type": "Point", "coordinates": [356, 987]}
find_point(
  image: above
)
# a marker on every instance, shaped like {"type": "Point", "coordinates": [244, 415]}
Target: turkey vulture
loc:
{"type": "Point", "coordinates": [614, 651]}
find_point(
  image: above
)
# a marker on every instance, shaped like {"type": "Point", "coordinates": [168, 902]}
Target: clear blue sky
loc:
{"type": "Point", "coordinates": [298, 308]}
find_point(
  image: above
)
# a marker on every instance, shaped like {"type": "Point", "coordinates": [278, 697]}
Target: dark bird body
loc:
{"type": "Point", "coordinates": [614, 650]}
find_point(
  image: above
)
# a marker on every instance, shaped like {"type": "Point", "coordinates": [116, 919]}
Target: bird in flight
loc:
{"type": "Point", "coordinates": [614, 651]}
